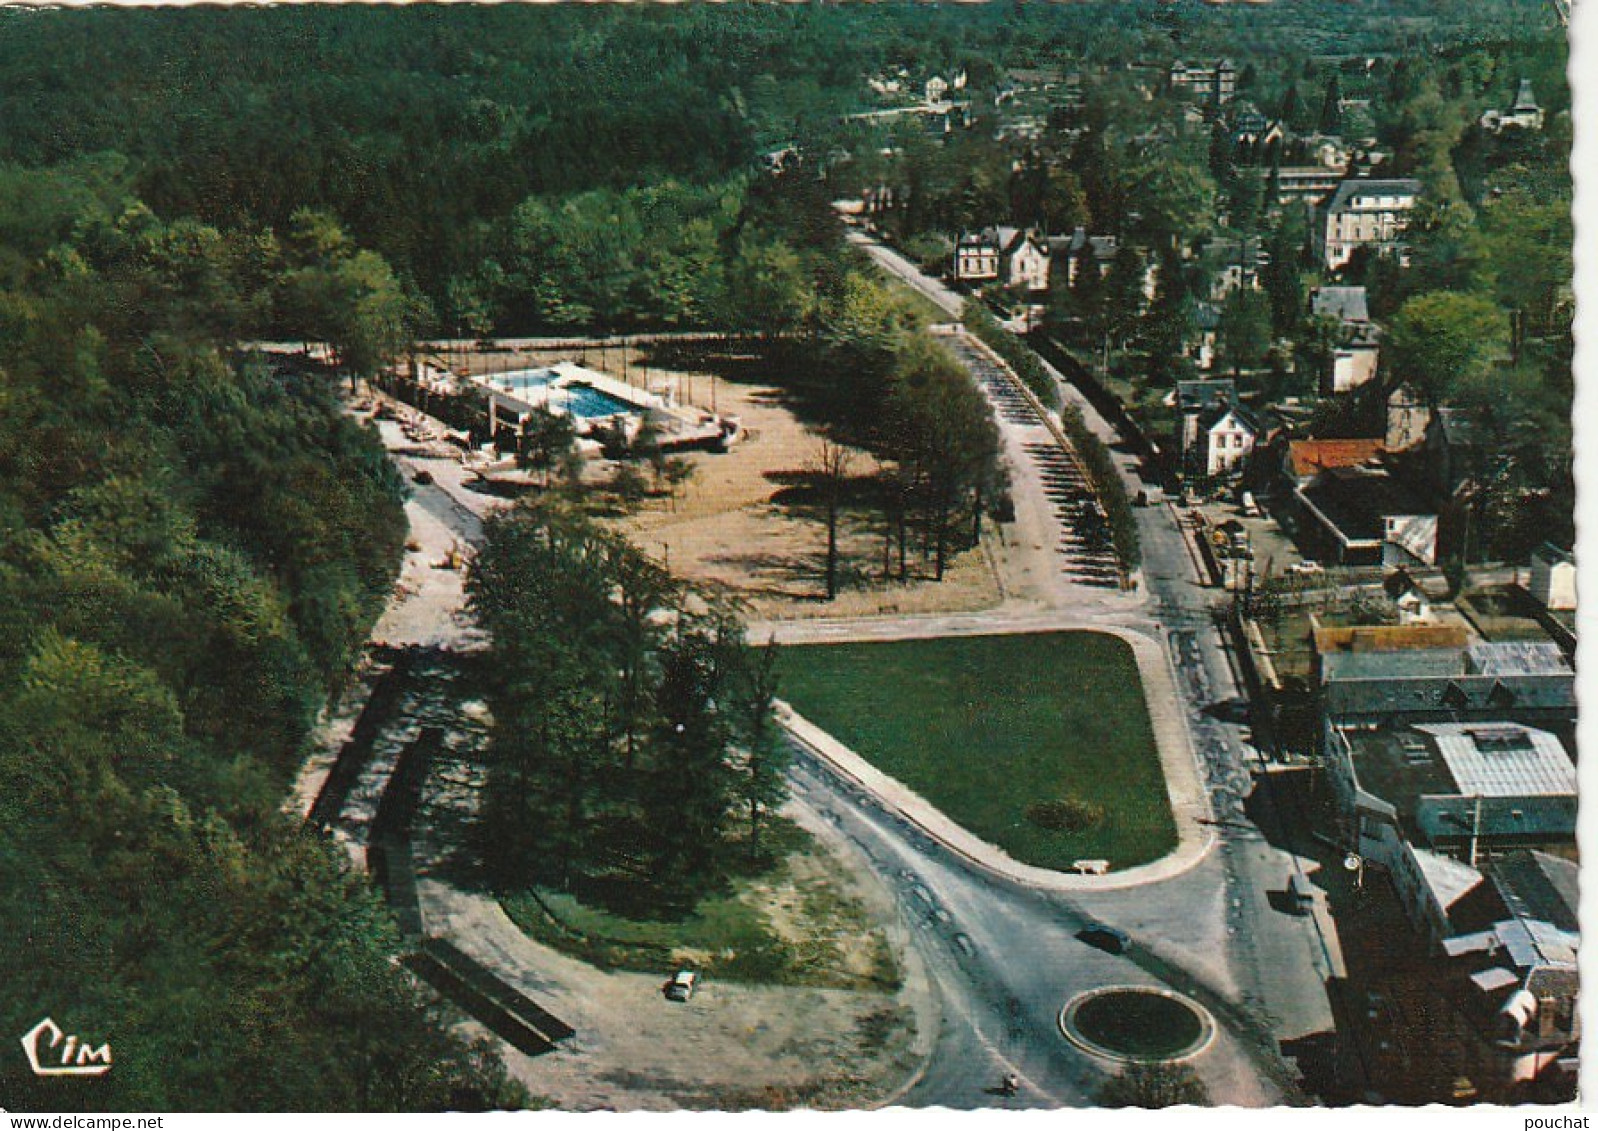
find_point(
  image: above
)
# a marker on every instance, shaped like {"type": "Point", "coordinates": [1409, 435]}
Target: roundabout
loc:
{"type": "Point", "coordinates": [1137, 1024]}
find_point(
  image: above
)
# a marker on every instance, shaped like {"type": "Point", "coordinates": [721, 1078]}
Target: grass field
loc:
{"type": "Point", "coordinates": [990, 728]}
{"type": "Point", "coordinates": [797, 922]}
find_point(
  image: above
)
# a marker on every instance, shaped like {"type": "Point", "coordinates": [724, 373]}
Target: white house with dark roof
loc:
{"type": "Point", "coordinates": [1365, 212]}
{"type": "Point", "coordinates": [1525, 114]}
{"type": "Point", "coordinates": [1357, 355]}
{"type": "Point", "coordinates": [1027, 262]}
{"type": "Point", "coordinates": [1005, 255]}
{"type": "Point", "coordinates": [1216, 433]}
{"type": "Point", "coordinates": [977, 255]}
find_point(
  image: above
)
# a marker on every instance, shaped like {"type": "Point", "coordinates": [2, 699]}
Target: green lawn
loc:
{"type": "Point", "coordinates": [988, 727]}
{"type": "Point", "coordinates": [790, 924]}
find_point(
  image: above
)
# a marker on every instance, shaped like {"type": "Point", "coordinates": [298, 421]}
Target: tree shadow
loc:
{"type": "Point", "coordinates": [818, 389]}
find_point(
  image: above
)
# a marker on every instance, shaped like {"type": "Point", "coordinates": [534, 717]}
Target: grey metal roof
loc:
{"type": "Point", "coordinates": [1371, 186]}
{"type": "Point", "coordinates": [1346, 304]}
{"type": "Point", "coordinates": [1532, 943]}
{"type": "Point", "coordinates": [1410, 663]}
{"type": "Point", "coordinates": [1503, 759]}
{"type": "Point", "coordinates": [1538, 885]}
{"type": "Point", "coordinates": [1539, 699]}
{"type": "Point", "coordinates": [1515, 657]}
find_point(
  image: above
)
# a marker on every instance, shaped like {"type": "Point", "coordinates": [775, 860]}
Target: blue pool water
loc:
{"type": "Point", "coordinates": [580, 400]}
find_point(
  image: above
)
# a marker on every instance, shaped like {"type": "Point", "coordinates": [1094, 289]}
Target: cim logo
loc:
{"type": "Point", "coordinates": [76, 1057]}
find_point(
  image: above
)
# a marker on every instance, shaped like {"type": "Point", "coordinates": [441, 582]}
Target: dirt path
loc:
{"type": "Point", "coordinates": [733, 1046]}
{"type": "Point", "coordinates": [730, 1047]}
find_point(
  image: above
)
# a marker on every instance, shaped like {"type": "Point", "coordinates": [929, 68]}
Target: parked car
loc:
{"type": "Point", "coordinates": [1111, 940]}
{"type": "Point", "coordinates": [1307, 568]}
{"type": "Point", "coordinates": [682, 985]}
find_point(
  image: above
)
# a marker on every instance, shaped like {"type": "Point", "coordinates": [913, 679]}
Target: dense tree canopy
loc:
{"type": "Point", "coordinates": [194, 543]}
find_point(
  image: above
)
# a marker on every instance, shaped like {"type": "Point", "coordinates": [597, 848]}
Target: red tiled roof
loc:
{"type": "Point", "coordinates": [1310, 457]}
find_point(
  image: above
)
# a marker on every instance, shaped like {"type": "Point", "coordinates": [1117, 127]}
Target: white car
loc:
{"type": "Point", "coordinates": [1306, 569]}
{"type": "Point", "coordinates": [682, 985]}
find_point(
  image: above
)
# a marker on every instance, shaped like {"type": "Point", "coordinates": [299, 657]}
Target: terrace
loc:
{"type": "Point", "coordinates": [594, 400]}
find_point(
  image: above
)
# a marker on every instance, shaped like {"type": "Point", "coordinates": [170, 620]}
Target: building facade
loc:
{"type": "Point", "coordinates": [1365, 213]}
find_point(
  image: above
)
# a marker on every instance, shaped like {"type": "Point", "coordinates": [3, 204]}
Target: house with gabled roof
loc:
{"type": "Point", "coordinates": [1215, 83]}
{"type": "Point", "coordinates": [1357, 353]}
{"type": "Point", "coordinates": [1216, 432]}
{"type": "Point", "coordinates": [1553, 577]}
{"type": "Point", "coordinates": [1079, 250]}
{"type": "Point", "coordinates": [1365, 516]}
{"type": "Point", "coordinates": [1001, 254]}
{"type": "Point", "coordinates": [1365, 212]}
{"type": "Point", "coordinates": [1524, 114]}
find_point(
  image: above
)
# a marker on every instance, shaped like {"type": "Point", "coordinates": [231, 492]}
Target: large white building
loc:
{"type": "Point", "coordinates": [1365, 213]}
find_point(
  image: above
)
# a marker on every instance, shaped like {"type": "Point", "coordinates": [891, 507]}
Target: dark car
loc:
{"type": "Point", "coordinates": [1109, 939]}
{"type": "Point", "coordinates": [423, 477]}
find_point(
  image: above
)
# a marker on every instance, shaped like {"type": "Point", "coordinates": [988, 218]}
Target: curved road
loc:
{"type": "Point", "coordinates": [1212, 932]}
{"type": "Point", "coordinates": [1005, 959]}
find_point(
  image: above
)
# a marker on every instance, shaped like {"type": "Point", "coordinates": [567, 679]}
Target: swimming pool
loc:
{"type": "Point", "coordinates": [517, 382]}
{"type": "Point", "coordinates": [588, 403]}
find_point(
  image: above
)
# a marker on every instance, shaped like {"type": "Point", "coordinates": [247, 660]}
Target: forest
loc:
{"type": "Point", "coordinates": [194, 541]}
{"type": "Point", "coordinates": [193, 544]}
{"type": "Point", "coordinates": [447, 140]}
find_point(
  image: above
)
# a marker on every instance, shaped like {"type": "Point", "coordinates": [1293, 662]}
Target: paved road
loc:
{"type": "Point", "coordinates": [1005, 959]}
{"type": "Point", "coordinates": [1215, 924]}
{"type": "Point", "coordinates": [905, 271]}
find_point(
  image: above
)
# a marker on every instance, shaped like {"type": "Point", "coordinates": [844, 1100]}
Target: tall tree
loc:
{"type": "Point", "coordinates": [830, 469]}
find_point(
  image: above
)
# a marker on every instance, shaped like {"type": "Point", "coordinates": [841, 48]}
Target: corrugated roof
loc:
{"type": "Point", "coordinates": [1515, 657]}
{"type": "Point", "coordinates": [1503, 759]}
